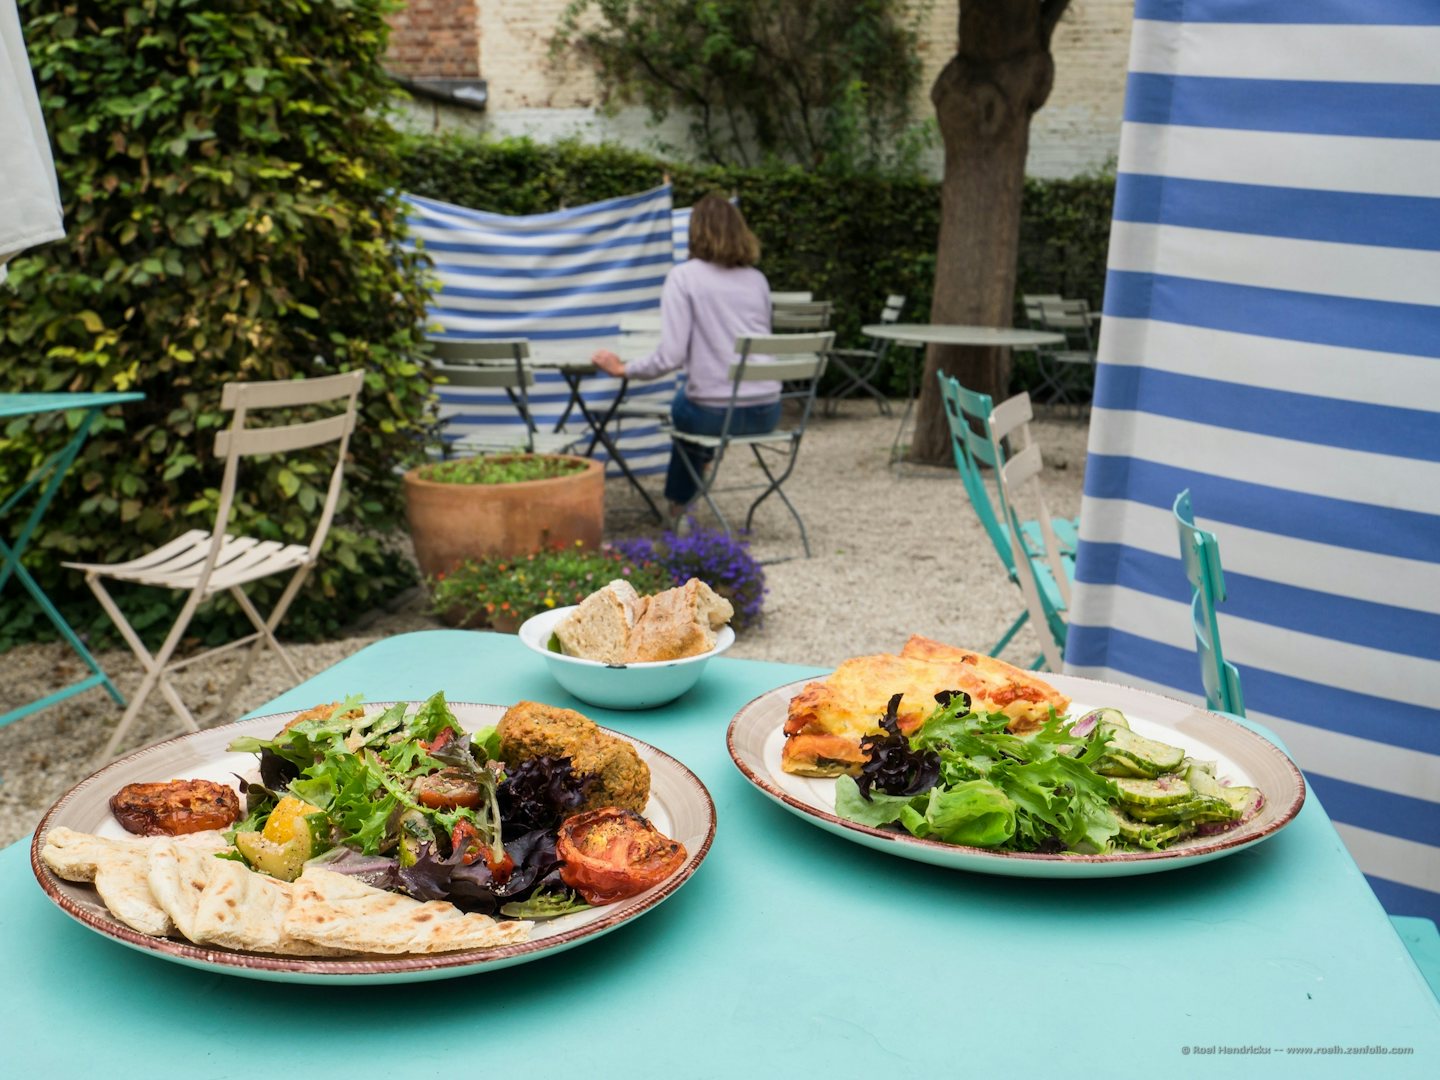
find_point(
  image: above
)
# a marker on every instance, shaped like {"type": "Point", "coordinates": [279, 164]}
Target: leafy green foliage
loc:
{"type": "Point", "coordinates": [503, 592]}
{"type": "Point", "coordinates": [827, 84]}
{"type": "Point", "coordinates": [231, 207]}
{"type": "Point", "coordinates": [500, 469]}
{"type": "Point", "coordinates": [854, 242]}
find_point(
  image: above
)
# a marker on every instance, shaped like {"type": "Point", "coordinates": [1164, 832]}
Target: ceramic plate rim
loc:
{"type": "Point", "coordinates": [986, 860]}
{"type": "Point", "coordinates": [366, 967]}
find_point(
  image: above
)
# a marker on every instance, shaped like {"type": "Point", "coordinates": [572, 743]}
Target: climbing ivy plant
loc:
{"type": "Point", "coordinates": [229, 184]}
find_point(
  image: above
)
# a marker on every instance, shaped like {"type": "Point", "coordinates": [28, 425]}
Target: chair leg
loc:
{"type": "Point", "coordinates": [266, 629]}
{"type": "Point", "coordinates": [775, 487]}
{"type": "Point", "coordinates": [1009, 634]}
{"type": "Point", "coordinates": [154, 666]}
{"type": "Point", "coordinates": [705, 480]}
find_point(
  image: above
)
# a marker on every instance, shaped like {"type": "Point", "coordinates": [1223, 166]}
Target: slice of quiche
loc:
{"type": "Point", "coordinates": [828, 718]}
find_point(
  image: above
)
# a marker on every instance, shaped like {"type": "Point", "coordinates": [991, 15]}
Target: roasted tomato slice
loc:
{"type": "Point", "coordinates": [609, 854]}
{"type": "Point", "coordinates": [175, 807]}
{"type": "Point", "coordinates": [447, 789]}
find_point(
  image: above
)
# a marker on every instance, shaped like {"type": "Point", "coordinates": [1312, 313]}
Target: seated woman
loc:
{"type": "Point", "coordinates": [707, 302]}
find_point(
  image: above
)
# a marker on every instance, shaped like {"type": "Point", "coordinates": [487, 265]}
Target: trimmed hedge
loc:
{"type": "Point", "coordinates": [854, 240]}
{"type": "Point", "coordinates": [230, 202]}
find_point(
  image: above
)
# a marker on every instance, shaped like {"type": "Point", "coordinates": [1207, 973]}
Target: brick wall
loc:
{"type": "Point", "coordinates": [437, 39]}
{"type": "Point", "coordinates": [532, 92]}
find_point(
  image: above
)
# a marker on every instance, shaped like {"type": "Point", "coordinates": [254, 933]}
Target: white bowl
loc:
{"type": "Point", "coordinates": [617, 686]}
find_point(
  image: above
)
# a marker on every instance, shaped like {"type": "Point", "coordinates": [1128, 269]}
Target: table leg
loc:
{"type": "Point", "coordinates": [601, 436]}
{"type": "Point", "coordinates": [58, 465]}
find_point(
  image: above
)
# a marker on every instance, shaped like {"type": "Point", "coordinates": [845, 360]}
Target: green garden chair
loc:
{"type": "Point", "coordinates": [1200, 554]}
{"type": "Point", "coordinates": [968, 414]}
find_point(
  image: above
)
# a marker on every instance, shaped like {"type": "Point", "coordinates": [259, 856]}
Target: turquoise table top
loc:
{"type": "Point", "coordinates": [790, 953]}
{"type": "Point", "coordinates": [31, 404]}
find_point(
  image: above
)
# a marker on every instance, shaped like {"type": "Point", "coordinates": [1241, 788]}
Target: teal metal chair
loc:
{"type": "Point", "coordinates": [974, 449]}
{"type": "Point", "coordinates": [1200, 554]}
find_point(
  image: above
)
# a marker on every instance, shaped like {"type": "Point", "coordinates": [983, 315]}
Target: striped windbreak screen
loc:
{"type": "Point", "coordinates": [564, 280]}
{"type": "Point", "coordinates": [1271, 341]}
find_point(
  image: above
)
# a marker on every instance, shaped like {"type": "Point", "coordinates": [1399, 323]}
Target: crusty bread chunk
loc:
{"type": "Point", "coordinates": [600, 627]}
{"type": "Point", "coordinates": [677, 623]}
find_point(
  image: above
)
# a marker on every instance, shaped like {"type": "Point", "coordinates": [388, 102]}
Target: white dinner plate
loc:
{"type": "Point", "coordinates": [680, 807]}
{"type": "Point", "coordinates": [1242, 757]}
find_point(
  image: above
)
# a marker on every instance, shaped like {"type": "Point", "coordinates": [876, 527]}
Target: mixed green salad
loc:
{"type": "Point", "coordinates": [1086, 786]}
{"type": "Point", "coordinates": [410, 803]}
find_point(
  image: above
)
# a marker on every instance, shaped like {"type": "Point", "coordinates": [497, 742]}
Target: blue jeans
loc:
{"type": "Point", "coordinates": [680, 486]}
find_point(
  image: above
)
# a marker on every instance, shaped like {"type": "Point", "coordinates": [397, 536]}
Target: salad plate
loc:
{"type": "Point", "coordinates": [756, 738]}
{"type": "Point", "coordinates": [679, 806]}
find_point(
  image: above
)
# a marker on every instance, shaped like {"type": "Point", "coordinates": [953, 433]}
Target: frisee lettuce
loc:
{"type": "Point", "coordinates": [998, 790]}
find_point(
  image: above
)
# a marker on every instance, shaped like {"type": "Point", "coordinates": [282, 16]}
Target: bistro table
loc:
{"type": "Point", "coordinates": [916, 334]}
{"type": "Point", "coordinates": [574, 370]}
{"type": "Point", "coordinates": [790, 953]}
{"type": "Point", "coordinates": [48, 478]}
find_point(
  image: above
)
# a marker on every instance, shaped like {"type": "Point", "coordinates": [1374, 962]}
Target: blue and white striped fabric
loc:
{"type": "Point", "coordinates": [1271, 341]}
{"type": "Point", "coordinates": [563, 280]}
{"type": "Point", "coordinates": [680, 230]}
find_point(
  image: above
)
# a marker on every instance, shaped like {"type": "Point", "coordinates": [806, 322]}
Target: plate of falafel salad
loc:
{"type": "Point", "coordinates": [375, 842]}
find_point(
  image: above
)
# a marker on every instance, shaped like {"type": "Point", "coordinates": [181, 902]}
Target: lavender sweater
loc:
{"type": "Point", "coordinates": [703, 309]}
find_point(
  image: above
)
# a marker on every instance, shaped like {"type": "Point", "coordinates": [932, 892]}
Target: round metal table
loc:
{"type": "Point", "coordinates": [915, 335]}
{"type": "Point", "coordinates": [948, 334]}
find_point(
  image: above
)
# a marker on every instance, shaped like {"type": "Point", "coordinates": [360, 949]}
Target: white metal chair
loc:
{"type": "Point", "coordinates": [798, 362]}
{"type": "Point", "coordinates": [803, 316]}
{"type": "Point", "coordinates": [497, 365]}
{"type": "Point", "coordinates": [791, 297]}
{"type": "Point", "coordinates": [1064, 369]}
{"type": "Point", "coordinates": [206, 563]}
{"type": "Point", "coordinates": [1038, 555]}
{"type": "Point", "coordinates": [860, 366]}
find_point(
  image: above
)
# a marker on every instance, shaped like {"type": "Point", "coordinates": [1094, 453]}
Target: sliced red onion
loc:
{"type": "Point", "coordinates": [1086, 724]}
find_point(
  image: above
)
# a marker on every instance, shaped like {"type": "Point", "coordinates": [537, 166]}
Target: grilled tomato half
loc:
{"type": "Point", "coordinates": [609, 854]}
{"type": "Point", "coordinates": [175, 807]}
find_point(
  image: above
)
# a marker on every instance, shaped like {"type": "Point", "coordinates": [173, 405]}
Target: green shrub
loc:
{"type": "Point", "coordinates": [229, 181]}
{"type": "Point", "coordinates": [500, 469]}
{"type": "Point", "coordinates": [854, 240]}
{"type": "Point", "coordinates": [504, 592]}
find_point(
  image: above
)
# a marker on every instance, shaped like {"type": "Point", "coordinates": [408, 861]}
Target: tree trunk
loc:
{"type": "Point", "coordinates": [984, 99]}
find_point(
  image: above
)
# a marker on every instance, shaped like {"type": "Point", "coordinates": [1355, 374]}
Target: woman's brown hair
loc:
{"type": "Point", "coordinates": [718, 234]}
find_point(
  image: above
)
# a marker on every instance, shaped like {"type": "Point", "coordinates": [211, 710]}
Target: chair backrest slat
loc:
{"type": "Point", "coordinates": [283, 439]}
{"type": "Point", "coordinates": [474, 351]}
{"type": "Point", "coordinates": [785, 344]}
{"type": "Point", "coordinates": [778, 370]}
{"type": "Point", "coordinates": [791, 297]}
{"type": "Point", "coordinates": [288, 393]}
{"type": "Point", "coordinates": [488, 376]}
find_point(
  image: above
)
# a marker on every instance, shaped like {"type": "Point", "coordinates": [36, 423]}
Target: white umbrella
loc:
{"type": "Point", "coordinates": [30, 211]}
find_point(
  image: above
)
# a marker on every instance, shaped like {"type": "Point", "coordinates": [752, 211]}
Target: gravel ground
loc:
{"type": "Point", "coordinates": [896, 550]}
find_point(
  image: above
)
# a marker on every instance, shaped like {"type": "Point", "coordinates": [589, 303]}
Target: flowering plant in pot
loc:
{"type": "Point", "coordinates": [716, 558]}
{"type": "Point", "coordinates": [502, 505]}
{"type": "Point", "coordinates": [500, 593]}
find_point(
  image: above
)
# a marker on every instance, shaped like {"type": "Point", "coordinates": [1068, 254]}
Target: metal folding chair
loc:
{"type": "Point", "coordinates": [968, 415]}
{"type": "Point", "coordinates": [859, 366]}
{"type": "Point", "coordinates": [497, 365]}
{"type": "Point", "coordinates": [804, 316]}
{"type": "Point", "coordinates": [205, 563]}
{"type": "Point", "coordinates": [1064, 370]}
{"type": "Point", "coordinates": [800, 363]}
{"type": "Point", "coordinates": [1039, 562]}
{"type": "Point", "coordinates": [1200, 554]}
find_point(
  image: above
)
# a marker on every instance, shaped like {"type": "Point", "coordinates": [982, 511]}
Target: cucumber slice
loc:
{"type": "Point", "coordinates": [1130, 753]}
{"type": "Point", "coordinates": [1245, 801]}
{"type": "Point", "coordinates": [1149, 794]}
{"type": "Point", "coordinates": [1151, 837]}
{"type": "Point", "coordinates": [1114, 767]}
{"type": "Point", "coordinates": [1195, 810]}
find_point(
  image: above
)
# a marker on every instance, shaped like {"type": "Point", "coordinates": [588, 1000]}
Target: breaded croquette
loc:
{"type": "Point", "coordinates": [529, 729]}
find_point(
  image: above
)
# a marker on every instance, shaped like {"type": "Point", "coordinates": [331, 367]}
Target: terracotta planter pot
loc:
{"type": "Point", "coordinates": [454, 522]}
